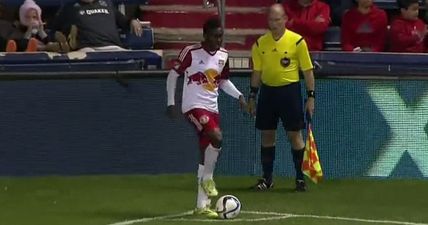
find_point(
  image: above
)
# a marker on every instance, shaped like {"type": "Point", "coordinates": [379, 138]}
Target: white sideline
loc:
{"type": "Point", "coordinates": [142, 220]}
{"type": "Point", "coordinates": [272, 216]}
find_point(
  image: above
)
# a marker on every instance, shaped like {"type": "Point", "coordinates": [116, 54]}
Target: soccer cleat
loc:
{"type": "Point", "coordinates": [207, 212]}
{"type": "Point", "coordinates": [300, 186]}
{"type": "Point", "coordinates": [263, 185]}
{"type": "Point", "coordinates": [209, 187]}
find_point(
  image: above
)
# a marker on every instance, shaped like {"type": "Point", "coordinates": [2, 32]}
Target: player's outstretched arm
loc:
{"type": "Point", "coordinates": [229, 88]}
{"type": "Point", "coordinates": [171, 83]}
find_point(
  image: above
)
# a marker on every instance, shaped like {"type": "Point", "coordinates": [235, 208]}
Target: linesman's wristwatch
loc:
{"type": "Point", "coordinates": [253, 92]}
{"type": "Point", "coordinates": [310, 94]}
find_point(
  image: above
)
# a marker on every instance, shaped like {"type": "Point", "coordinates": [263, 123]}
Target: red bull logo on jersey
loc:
{"type": "Point", "coordinates": [209, 79]}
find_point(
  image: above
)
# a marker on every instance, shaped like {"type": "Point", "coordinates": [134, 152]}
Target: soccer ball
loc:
{"type": "Point", "coordinates": [228, 207]}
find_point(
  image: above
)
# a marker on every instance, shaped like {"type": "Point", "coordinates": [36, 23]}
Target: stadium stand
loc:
{"type": "Point", "coordinates": [101, 62]}
{"type": "Point", "coordinates": [62, 2]}
{"type": "Point", "coordinates": [175, 24]}
{"type": "Point", "coordinates": [178, 23]}
{"type": "Point", "coordinates": [332, 39]}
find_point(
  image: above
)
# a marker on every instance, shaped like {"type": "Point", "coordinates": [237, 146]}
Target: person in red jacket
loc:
{"type": "Point", "coordinates": [309, 18]}
{"type": "Point", "coordinates": [408, 31]}
{"type": "Point", "coordinates": [364, 28]}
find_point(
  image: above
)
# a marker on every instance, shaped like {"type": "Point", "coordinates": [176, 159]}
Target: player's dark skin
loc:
{"type": "Point", "coordinates": [212, 39]}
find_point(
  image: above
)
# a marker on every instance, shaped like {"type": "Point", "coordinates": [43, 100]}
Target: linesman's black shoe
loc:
{"type": "Point", "coordinates": [300, 186]}
{"type": "Point", "coordinates": [263, 185]}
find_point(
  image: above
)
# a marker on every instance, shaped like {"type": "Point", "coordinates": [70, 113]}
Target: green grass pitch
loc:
{"type": "Point", "coordinates": [106, 200]}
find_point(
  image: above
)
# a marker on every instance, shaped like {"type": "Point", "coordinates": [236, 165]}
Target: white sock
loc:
{"type": "Point", "coordinates": [202, 201]}
{"type": "Point", "coordinates": [211, 155]}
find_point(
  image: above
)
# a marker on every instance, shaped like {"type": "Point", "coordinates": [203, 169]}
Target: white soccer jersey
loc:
{"type": "Point", "coordinates": [202, 71]}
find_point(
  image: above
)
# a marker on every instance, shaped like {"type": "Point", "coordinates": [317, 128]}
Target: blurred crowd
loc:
{"type": "Point", "coordinates": [83, 25]}
{"type": "Point", "coordinates": [94, 25]}
{"type": "Point", "coordinates": [364, 27]}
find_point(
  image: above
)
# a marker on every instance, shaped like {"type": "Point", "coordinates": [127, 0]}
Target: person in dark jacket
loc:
{"type": "Point", "coordinates": [93, 25]}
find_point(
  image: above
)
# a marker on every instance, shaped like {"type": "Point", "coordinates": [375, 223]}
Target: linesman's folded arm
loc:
{"type": "Point", "coordinates": [171, 83]}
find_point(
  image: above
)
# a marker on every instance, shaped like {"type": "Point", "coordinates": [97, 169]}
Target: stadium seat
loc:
{"type": "Point", "coordinates": [80, 61]}
{"type": "Point", "coordinates": [178, 23]}
{"type": "Point", "coordinates": [332, 39]}
{"type": "Point", "coordinates": [134, 42]}
{"type": "Point", "coordinates": [246, 3]}
{"type": "Point", "coordinates": [184, 19]}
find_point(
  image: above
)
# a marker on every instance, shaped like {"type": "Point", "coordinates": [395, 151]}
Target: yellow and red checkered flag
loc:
{"type": "Point", "coordinates": [311, 165]}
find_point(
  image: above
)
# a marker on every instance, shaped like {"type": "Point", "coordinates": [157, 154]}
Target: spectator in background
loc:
{"type": "Point", "coordinates": [364, 28]}
{"type": "Point", "coordinates": [309, 18]}
{"type": "Point", "coordinates": [28, 34]}
{"type": "Point", "coordinates": [407, 30]}
{"type": "Point", "coordinates": [30, 22]}
{"type": "Point", "coordinates": [95, 25]}
{"type": "Point", "coordinates": [12, 36]}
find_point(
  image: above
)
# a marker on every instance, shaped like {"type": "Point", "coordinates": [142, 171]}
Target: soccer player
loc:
{"type": "Point", "coordinates": [277, 57]}
{"type": "Point", "coordinates": [205, 69]}
{"type": "Point", "coordinates": [408, 31]}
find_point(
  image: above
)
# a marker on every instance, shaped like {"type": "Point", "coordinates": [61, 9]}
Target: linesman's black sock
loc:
{"type": "Point", "coordinates": [268, 158]}
{"type": "Point", "coordinates": [298, 160]}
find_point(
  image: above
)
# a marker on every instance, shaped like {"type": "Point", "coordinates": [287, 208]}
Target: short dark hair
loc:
{"type": "Point", "coordinates": [211, 24]}
{"type": "Point", "coordinates": [404, 4]}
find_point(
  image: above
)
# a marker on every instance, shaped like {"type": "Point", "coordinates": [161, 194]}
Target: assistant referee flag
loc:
{"type": "Point", "coordinates": [311, 165]}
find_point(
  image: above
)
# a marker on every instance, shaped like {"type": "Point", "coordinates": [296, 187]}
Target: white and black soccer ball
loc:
{"type": "Point", "coordinates": [228, 207]}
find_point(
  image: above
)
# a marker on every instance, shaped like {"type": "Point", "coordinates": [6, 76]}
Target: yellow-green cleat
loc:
{"type": "Point", "coordinates": [206, 212]}
{"type": "Point", "coordinates": [209, 187]}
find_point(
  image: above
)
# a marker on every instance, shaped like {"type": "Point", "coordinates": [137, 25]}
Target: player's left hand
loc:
{"type": "Point", "coordinates": [136, 28]}
{"type": "Point", "coordinates": [310, 106]}
{"type": "Point", "coordinates": [171, 111]}
{"type": "Point", "coordinates": [243, 103]}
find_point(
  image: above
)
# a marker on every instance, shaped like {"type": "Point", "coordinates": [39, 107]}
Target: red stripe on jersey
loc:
{"type": "Point", "coordinates": [224, 50]}
{"type": "Point", "coordinates": [186, 50]}
{"type": "Point", "coordinates": [226, 71]}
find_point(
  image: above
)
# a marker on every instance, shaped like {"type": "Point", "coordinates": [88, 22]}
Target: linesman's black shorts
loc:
{"type": "Point", "coordinates": [285, 103]}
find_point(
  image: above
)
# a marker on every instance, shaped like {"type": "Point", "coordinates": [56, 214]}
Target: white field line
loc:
{"type": "Point", "coordinates": [270, 216]}
{"type": "Point", "coordinates": [143, 220]}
